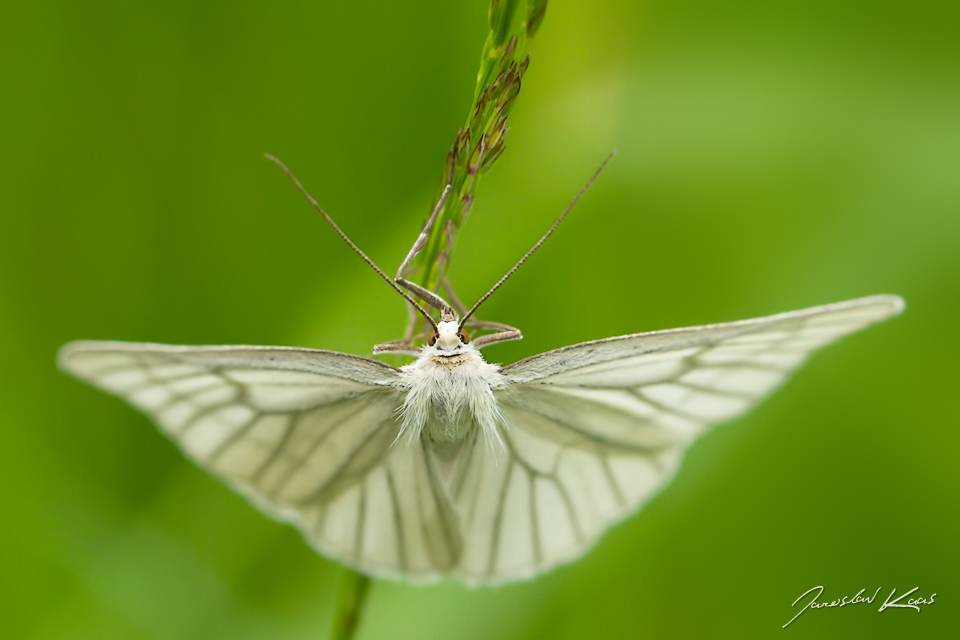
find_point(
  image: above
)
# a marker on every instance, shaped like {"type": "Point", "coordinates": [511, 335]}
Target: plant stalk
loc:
{"type": "Point", "coordinates": [350, 598]}
{"type": "Point", "coordinates": [476, 148]}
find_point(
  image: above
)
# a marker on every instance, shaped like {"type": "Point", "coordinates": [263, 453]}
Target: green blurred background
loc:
{"type": "Point", "coordinates": [774, 156]}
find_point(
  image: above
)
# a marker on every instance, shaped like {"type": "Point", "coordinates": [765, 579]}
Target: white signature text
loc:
{"type": "Point", "coordinates": [889, 603]}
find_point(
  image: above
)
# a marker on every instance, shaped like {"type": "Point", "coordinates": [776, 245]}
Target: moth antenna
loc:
{"type": "Point", "coordinates": [549, 232]}
{"type": "Point", "coordinates": [350, 242]}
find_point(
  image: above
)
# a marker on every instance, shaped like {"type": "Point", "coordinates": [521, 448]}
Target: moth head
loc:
{"type": "Point", "coordinates": [448, 337]}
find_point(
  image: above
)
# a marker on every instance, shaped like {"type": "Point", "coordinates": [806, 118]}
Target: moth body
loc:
{"type": "Point", "coordinates": [448, 392]}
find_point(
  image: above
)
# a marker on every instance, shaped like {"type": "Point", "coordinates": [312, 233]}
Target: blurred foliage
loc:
{"type": "Point", "coordinates": [773, 156]}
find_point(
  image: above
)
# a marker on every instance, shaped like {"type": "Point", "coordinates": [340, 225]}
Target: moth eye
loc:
{"type": "Point", "coordinates": [464, 338]}
{"type": "Point", "coordinates": [432, 340]}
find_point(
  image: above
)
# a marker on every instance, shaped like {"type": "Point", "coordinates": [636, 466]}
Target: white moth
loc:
{"type": "Point", "coordinates": [451, 467]}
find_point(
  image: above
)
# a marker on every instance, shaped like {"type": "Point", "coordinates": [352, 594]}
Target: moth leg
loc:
{"type": "Point", "coordinates": [504, 331]}
{"type": "Point", "coordinates": [406, 344]}
{"type": "Point", "coordinates": [399, 347]}
{"type": "Point", "coordinates": [424, 234]}
{"type": "Point", "coordinates": [500, 336]}
{"type": "Point", "coordinates": [486, 325]}
{"type": "Point", "coordinates": [428, 296]}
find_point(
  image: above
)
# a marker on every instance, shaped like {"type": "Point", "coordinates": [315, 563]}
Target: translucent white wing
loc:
{"type": "Point", "coordinates": [305, 434]}
{"type": "Point", "coordinates": [594, 429]}
{"type": "Point", "coordinates": [779, 341]}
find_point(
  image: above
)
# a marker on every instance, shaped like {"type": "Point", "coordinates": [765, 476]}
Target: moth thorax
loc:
{"type": "Point", "coordinates": [447, 404]}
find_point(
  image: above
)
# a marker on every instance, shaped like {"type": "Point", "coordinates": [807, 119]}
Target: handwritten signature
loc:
{"type": "Point", "coordinates": [912, 603]}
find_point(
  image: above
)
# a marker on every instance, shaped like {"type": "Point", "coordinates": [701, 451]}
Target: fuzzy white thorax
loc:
{"type": "Point", "coordinates": [449, 392]}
